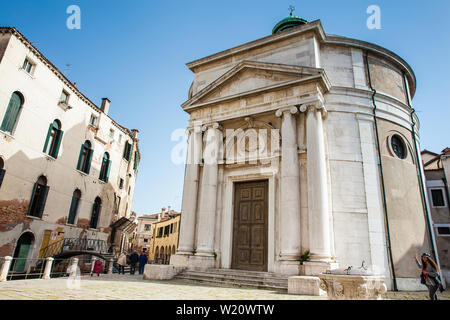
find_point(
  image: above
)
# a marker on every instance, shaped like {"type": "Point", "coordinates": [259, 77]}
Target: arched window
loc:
{"type": "Point", "coordinates": [74, 206]}
{"type": "Point", "coordinates": [38, 198]}
{"type": "Point", "coordinates": [53, 140]}
{"type": "Point", "coordinates": [12, 112]}
{"type": "Point", "coordinates": [84, 160]}
{"type": "Point", "coordinates": [106, 167]}
{"type": "Point", "coordinates": [2, 171]}
{"type": "Point", "coordinates": [96, 208]}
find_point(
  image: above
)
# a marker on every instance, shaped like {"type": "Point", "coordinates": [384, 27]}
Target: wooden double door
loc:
{"type": "Point", "coordinates": [250, 226]}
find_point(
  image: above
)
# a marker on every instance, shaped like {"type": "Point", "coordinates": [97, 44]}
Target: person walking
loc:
{"type": "Point", "coordinates": [142, 261]}
{"type": "Point", "coordinates": [98, 267]}
{"type": "Point", "coordinates": [122, 262]}
{"type": "Point", "coordinates": [134, 258]}
{"type": "Point", "coordinates": [429, 275]}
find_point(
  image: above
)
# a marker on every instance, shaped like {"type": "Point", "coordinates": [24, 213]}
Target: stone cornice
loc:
{"type": "Point", "coordinates": [317, 28]}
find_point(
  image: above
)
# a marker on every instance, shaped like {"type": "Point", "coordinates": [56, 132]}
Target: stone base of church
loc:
{"type": "Point", "coordinates": [288, 267]}
{"type": "Point", "coordinates": [201, 262]}
{"type": "Point", "coordinates": [180, 259]}
{"type": "Point", "coordinates": [193, 262]}
{"type": "Point", "coordinates": [313, 268]}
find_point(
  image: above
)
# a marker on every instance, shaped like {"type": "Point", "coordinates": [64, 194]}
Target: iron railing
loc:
{"type": "Point", "coordinates": [74, 244]}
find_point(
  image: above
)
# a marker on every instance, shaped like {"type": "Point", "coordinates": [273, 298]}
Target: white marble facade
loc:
{"type": "Point", "coordinates": [310, 91]}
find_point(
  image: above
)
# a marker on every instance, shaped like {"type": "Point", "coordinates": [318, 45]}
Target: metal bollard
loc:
{"type": "Point", "coordinates": [48, 268]}
{"type": "Point", "coordinates": [5, 268]}
{"type": "Point", "coordinates": [93, 264]}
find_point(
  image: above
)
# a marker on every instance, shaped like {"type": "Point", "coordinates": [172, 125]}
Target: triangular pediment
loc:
{"type": "Point", "coordinates": [249, 77]}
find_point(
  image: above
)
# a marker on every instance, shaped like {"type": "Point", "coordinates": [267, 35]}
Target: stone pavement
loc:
{"type": "Point", "coordinates": [133, 287]}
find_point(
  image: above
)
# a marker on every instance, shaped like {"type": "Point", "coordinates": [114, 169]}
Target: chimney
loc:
{"type": "Point", "coordinates": [163, 213]}
{"type": "Point", "coordinates": [134, 133]}
{"type": "Point", "coordinates": [105, 105]}
{"type": "Point", "coordinates": [168, 210]}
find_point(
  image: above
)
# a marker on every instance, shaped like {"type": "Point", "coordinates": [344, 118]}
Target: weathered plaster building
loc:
{"type": "Point", "coordinates": [303, 141]}
{"type": "Point", "coordinates": [68, 169]}
{"type": "Point", "coordinates": [437, 172]}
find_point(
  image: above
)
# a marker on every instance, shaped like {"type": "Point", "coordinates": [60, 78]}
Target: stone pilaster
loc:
{"type": "Point", "coordinates": [290, 192]}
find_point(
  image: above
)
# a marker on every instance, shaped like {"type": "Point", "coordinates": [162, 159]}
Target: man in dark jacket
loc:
{"type": "Point", "coordinates": [142, 261]}
{"type": "Point", "coordinates": [134, 258]}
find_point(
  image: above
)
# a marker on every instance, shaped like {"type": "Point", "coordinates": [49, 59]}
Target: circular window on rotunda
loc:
{"type": "Point", "coordinates": [398, 146]}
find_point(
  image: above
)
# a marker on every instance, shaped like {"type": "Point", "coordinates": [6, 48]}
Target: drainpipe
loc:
{"type": "Point", "coordinates": [423, 188]}
{"type": "Point", "coordinates": [388, 233]}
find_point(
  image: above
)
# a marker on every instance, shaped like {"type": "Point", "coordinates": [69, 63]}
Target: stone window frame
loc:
{"type": "Point", "coordinates": [408, 150]}
{"type": "Point", "coordinates": [442, 225]}
{"type": "Point", "coordinates": [28, 62]}
{"type": "Point", "coordinates": [442, 189]}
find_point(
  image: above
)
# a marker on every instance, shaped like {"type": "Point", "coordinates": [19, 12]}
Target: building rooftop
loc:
{"type": "Point", "coordinates": [59, 74]}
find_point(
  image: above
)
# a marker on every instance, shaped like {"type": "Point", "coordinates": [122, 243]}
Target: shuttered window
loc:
{"type": "Point", "coordinates": [85, 158]}
{"type": "Point", "coordinates": [74, 206]}
{"type": "Point", "coordinates": [12, 113]}
{"type": "Point", "coordinates": [106, 167]}
{"type": "Point", "coordinates": [136, 161]}
{"type": "Point", "coordinates": [96, 208]}
{"type": "Point", "coordinates": [53, 140]}
{"type": "Point", "coordinates": [38, 198]}
{"type": "Point", "coordinates": [128, 150]}
{"type": "Point", "coordinates": [2, 171]}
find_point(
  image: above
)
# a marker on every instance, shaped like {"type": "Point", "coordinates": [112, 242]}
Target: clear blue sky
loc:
{"type": "Point", "coordinates": [134, 52]}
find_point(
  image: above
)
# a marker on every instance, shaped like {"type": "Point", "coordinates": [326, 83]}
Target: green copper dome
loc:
{"type": "Point", "coordinates": [287, 23]}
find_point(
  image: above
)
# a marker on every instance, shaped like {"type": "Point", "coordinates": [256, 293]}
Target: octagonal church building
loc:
{"type": "Point", "coordinates": [302, 157]}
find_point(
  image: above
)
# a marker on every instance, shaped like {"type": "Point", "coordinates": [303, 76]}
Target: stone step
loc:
{"type": "Point", "coordinates": [237, 278]}
{"type": "Point", "coordinates": [247, 273]}
{"type": "Point", "coordinates": [238, 284]}
{"type": "Point", "coordinates": [242, 277]}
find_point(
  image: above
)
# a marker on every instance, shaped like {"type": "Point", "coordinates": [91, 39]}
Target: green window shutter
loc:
{"type": "Point", "coordinates": [125, 150]}
{"type": "Point", "coordinates": [48, 137]}
{"type": "Point", "coordinates": [73, 210]}
{"type": "Point", "coordinates": [2, 175]}
{"type": "Point", "coordinates": [11, 114]}
{"type": "Point", "coordinates": [95, 214]}
{"type": "Point", "coordinates": [80, 157]}
{"type": "Point", "coordinates": [108, 170]}
{"type": "Point", "coordinates": [130, 152]}
{"type": "Point", "coordinates": [58, 140]}
{"type": "Point", "coordinates": [32, 199]}
{"type": "Point", "coordinates": [42, 200]}
{"type": "Point", "coordinates": [89, 160]}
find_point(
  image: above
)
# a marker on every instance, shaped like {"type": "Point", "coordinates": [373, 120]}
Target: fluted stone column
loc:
{"type": "Point", "coordinates": [319, 228]}
{"type": "Point", "coordinates": [208, 196]}
{"type": "Point", "coordinates": [290, 190]}
{"type": "Point", "coordinates": [190, 191]}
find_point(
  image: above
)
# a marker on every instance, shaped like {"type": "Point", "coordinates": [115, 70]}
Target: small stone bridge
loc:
{"type": "Point", "coordinates": [70, 247]}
